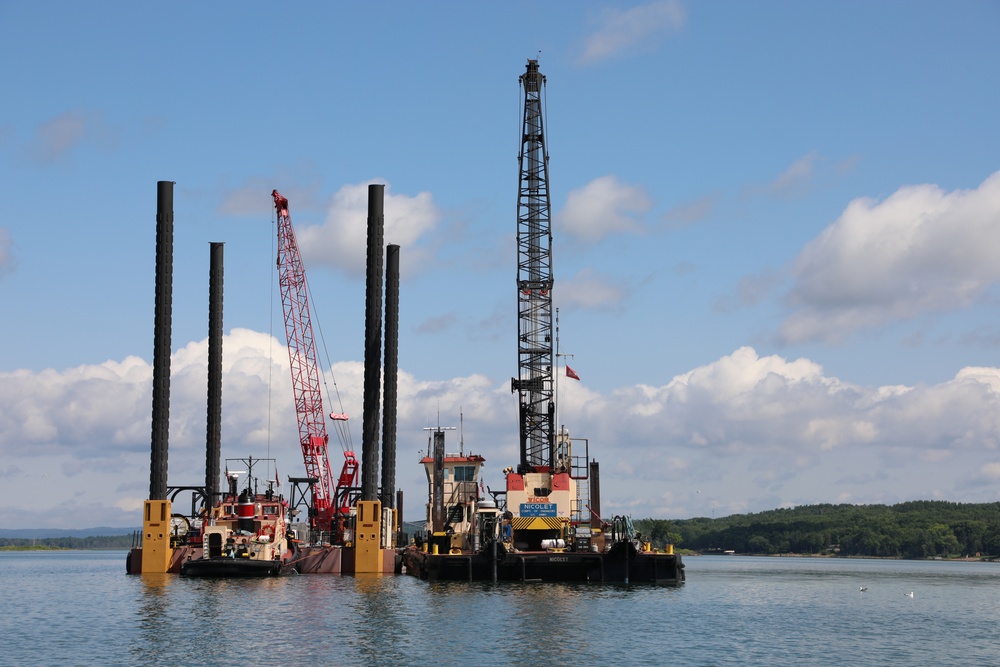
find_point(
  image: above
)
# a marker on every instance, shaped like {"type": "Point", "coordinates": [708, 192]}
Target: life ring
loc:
{"type": "Point", "coordinates": [266, 531]}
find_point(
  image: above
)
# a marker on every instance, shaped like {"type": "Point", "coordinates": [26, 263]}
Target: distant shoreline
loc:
{"type": "Point", "coordinates": [960, 559]}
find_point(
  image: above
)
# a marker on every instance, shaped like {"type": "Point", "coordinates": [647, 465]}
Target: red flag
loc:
{"type": "Point", "coordinates": [570, 373]}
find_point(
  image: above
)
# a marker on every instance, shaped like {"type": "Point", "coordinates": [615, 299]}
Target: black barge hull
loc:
{"type": "Point", "coordinates": [621, 566]}
{"type": "Point", "coordinates": [230, 568]}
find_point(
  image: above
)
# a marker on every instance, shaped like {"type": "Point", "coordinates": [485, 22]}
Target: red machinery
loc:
{"type": "Point", "coordinates": [330, 504]}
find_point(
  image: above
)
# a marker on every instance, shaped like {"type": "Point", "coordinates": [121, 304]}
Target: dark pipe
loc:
{"type": "Point", "coordinates": [595, 494]}
{"type": "Point", "coordinates": [391, 371]}
{"type": "Point", "coordinates": [437, 507]}
{"type": "Point", "coordinates": [399, 516]}
{"type": "Point", "coordinates": [373, 345]}
{"type": "Point", "coordinates": [161, 339]}
{"type": "Point", "coordinates": [213, 437]}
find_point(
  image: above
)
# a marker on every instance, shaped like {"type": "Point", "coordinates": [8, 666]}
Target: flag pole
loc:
{"type": "Point", "coordinates": [555, 388]}
{"type": "Point", "coordinates": [555, 383]}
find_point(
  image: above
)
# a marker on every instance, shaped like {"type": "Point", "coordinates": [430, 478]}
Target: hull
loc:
{"type": "Point", "coordinates": [623, 565]}
{"type": "Point", "coordinates": [319, 560]}
{"type": "Point", "coordinates": [230, 567]}
{"type": "Point", "coordinates": [341, 560]}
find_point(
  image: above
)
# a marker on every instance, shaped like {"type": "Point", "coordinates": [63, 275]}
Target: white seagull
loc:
{"type": "Point", "coordinates": [863, 588]}
{"type": "Point", "coordinates": [909, 595]}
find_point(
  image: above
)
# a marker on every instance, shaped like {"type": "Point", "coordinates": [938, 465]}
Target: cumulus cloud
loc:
{"type": "Point", "coordinates": [603, 207]}
{"type": "Point", "coordinates": [341, 241]}
{"type": "Point", "coordinates": [103, 411]}
{"type": "Point", "coordinates": [782, 430]}
{"type": "Point", "coordinates": [630, 31]}
{"type": "Point", "coordinates": [921, 250]}
{"type": "Point", "coordinates": [743, 432]}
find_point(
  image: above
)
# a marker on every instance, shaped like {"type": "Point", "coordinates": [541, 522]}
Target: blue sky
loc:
{"type": "Point", "coordinates": [776, 239]}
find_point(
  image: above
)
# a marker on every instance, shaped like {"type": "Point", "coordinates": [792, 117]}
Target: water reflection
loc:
{"type": "Point", "coordinates": [153, 616]}
{"type": "Point", "coordinates": [387, 625]}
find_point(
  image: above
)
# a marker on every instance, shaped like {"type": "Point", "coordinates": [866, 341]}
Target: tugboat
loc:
{"type": "Point", "coordinates": [244, 535]}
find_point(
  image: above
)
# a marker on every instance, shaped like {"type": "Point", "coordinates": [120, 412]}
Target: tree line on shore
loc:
{"type": "Point", "coordinates": [915, 529]}
{"type": "Point", "coordinates": [108, 542]}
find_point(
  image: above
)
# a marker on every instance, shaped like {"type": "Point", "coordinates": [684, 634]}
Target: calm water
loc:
{"type": "Point", "coordinates": [80, 608]}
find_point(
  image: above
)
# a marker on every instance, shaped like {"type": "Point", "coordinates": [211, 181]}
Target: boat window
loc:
{"type": "Point", "coordinates": [270, 509]}
{"type": "Point", "coordinates": [465, 473]}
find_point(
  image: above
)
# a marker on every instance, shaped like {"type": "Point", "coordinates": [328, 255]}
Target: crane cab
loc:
{"type": "Point", "coordinates": [542, 503]}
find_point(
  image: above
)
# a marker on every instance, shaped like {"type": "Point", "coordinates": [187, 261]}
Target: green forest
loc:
{"type": "Point", "coordinates": [112, 542]}
{"type": "Point", "coordinates": [917, 529]}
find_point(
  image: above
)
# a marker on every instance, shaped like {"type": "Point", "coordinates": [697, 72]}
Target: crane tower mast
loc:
{"type": "Point", "coordinates": [305, 369]}
{"type": "Point", "coordinates": [534, 284]}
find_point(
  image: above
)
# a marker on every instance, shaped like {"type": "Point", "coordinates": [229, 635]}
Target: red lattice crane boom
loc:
{"type": "Point", "coordinates": [309, 407]}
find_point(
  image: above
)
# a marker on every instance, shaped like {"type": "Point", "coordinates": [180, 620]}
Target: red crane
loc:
{"type": "Point", "coordinates": [327, 504]}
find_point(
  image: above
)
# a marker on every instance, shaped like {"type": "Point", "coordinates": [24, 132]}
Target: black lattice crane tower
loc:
{"type": "Point", "coordinates": [534, 284]}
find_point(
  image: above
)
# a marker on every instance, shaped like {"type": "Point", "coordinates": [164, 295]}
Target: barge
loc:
{"type": "Point", "coordinates": [544, 527]}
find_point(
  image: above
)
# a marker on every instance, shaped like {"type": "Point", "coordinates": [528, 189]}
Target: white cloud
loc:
{"type": "Point", "coordinates": [630, 31]}
{"type": "Point", "coordinates": [921, 250]}
{"type": "Point", "coordinates": [771, 415]}
{"type": "Point", "coordinates": [341, 241]}
{"type": "Point", "coordinates": [603, 207]}
{"type": "Point", "coordinates": [742, 432]}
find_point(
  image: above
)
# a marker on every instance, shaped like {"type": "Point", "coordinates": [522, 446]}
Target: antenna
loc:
{"type": "Point", "coordinates": [555, 378]}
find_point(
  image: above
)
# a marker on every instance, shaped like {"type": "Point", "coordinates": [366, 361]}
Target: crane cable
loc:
{"type": "Point", "coordinates": [342, 427]}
